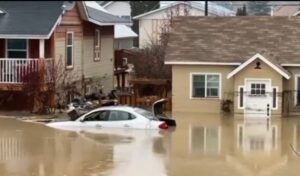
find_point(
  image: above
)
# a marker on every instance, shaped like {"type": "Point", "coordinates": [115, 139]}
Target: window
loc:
{"type": "Point", "coordinates": [120, 115]}
{"type": "Point", "coordinates": [241, 97]}
{"type": "Point", "coordinates": [297, 97]}
{"type": "Point", "coordinates": [16, 48]}
{"type": "Point", "coordinates": [69, 49]}
{"type": "Point", "coordinates": [274, 98]}
{"type": "Point", "coordinates": [97, 45]}
{"type": "Point", "coordinates": [145, 113]}
{"type": "Point", "coordinates": [258, 89]}
{"type": "Point", "coordinates": [97, 116]}
{"type": "Point", "coordinates": [205, 85]}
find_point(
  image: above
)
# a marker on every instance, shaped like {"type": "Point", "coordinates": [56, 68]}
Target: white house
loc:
{"type": "Point", "coordinates": [150, 23]}
{"type": "Point", "coordinates": [124, 35]}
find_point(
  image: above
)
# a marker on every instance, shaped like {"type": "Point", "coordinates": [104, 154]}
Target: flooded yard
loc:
{"type": "Point", "coordinates": [201, 144]}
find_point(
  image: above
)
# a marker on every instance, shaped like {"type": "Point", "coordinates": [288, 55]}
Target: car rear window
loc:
{"type": "Point", "coordinates": [145, 113]}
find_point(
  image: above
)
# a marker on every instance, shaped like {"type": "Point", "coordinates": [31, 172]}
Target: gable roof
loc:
{"type": "Point", "coordinates": [273, 65]}
{"type": "Point", "coordinates": [286, 10]}
{"type": "Point", "coordinates": [29, 18]}
{"type": "Point", "coordinates": [38, 19]}
{"type": "Point", "coordinates": [102, 18]}
{"type": "Point", "coordinates": [216, 9]}
{"type": "Point", "coordinates": [234, 39]}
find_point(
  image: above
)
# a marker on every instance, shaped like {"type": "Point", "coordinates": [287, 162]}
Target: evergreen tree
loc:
{"type": "Point", "coordinates": [140, 7]}
{"type": "Point", "coordinates": [242, 11]}
{"type": "Point", "coordinates": [259, 8]}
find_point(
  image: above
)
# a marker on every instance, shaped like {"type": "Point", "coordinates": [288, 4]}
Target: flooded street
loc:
{"type": "Point", "coordinates": [201, 144]}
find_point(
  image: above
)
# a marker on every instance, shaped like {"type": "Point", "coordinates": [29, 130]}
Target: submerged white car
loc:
{"type": "Point", "coordinates": [114, 117]}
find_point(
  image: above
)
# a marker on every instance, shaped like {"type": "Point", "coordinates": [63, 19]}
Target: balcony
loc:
{"type": "Point", "coordinates": [17, 71]}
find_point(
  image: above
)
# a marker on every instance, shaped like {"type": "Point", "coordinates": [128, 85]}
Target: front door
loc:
{"type": "Point", "coordinates": [258, 98]}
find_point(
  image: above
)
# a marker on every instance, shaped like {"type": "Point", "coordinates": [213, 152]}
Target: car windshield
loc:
{"type": "Point", "coordinates": [145, 113]}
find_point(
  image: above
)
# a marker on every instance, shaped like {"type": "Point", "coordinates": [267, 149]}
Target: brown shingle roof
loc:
{"type": "Point", "coordinates": [234, 39]}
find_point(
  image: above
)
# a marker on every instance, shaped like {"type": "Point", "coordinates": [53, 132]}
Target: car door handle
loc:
{"type": "Point", "coordinates": [99, 126]}
{"type": "Point", "coordinates": [126, 125]}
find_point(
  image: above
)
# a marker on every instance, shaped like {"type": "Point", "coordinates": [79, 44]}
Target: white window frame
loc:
{"type": "Point", "coordinates": [67, 45]}
{"type": "Point", "coordinates": [276, 107]}
{"type": "Point", "coordinates": [205, 88]}
{"type": "Point", "coordinates": [7, 50]}
{"type": "Point", "coordinates": [239, 94]}
{"type": "Point", "coordinates": [296, 89]}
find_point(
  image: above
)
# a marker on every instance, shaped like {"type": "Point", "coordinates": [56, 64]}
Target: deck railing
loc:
{"type": "Point", "coordinates": [14, 71]}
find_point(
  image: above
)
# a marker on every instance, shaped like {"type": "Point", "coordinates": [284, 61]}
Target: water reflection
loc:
{"type": "Point", "coordinates": [31, 149]}
{"type": "Point", "coordinates": [218, 145]}
{"type": "Point", "coordinates": [203, 144]}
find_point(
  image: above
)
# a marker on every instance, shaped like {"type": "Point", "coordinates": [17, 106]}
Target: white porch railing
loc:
{"type": "Point", "coordinates": [16, 71]}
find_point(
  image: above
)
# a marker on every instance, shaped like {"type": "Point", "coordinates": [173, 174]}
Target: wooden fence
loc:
{"type": "Point", "coordinates": [145, 102]}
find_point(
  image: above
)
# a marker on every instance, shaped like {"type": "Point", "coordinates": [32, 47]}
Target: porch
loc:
{"type": "Point", "coordinates": [21, 58]}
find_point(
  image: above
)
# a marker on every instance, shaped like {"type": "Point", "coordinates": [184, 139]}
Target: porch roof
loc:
{"type": "Point", "coordinates": [269, 62]}
{"type": "Point", "coordinates": [28, 19]}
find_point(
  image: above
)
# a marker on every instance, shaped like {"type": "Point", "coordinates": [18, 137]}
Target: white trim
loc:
{"type": "Point", "coordinates": [56, 24]}
{"type": "Point", "coordinates": [296, 13]}
{"type": "Point", "coordinates": [17, 36]}
{"type": "Point", "coordinates": [107, 24]}
{"type": "Point", "coordinates": [67, 45]}
{"type": "Point", "coordinates": [205, 91]}
{"type": "Point", "coordinates": [290, 65]}
{"type": "Point", "coordinates": [239, 68]}
{"type": "Point", "coordinates": [296, 89]}
{"type": "Point", "coordinates": [277, 97]}
{"type": "Point", "coordinates": [200, 63]}
{"type": "Point", "coordinates": [27, 48]}
{"type": "Point", "coordinates": [217, 63]}
{"type": "Point", "coordinates": [239, 103]}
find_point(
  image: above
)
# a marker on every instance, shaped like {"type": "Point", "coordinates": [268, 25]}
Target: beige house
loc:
{"type": "Point", "coordinates": [151, 23]}
{"type": "Point", "coordinates": [252, 62]}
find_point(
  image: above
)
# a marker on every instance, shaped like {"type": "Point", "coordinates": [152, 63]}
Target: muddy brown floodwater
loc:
{"type": "Point", "coordinates": [202, 144]}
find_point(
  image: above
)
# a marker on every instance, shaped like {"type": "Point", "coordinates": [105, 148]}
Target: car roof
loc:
{"type": "Point", "coordinates": [119, 107]}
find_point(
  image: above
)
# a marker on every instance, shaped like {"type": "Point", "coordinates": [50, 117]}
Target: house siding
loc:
{"type": "Point", "coordinates": [125, 43]}
{"type": "Point", "coordinates": [229, 87]}
{"type": "Point", "coordinates": [181, 101]}
{"type": "Point", "coordinates": [289, 88]}
{"type": "Point", "coordinates": [83, 58]}
{"type": "Point", "coordinates": [104, 68]}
